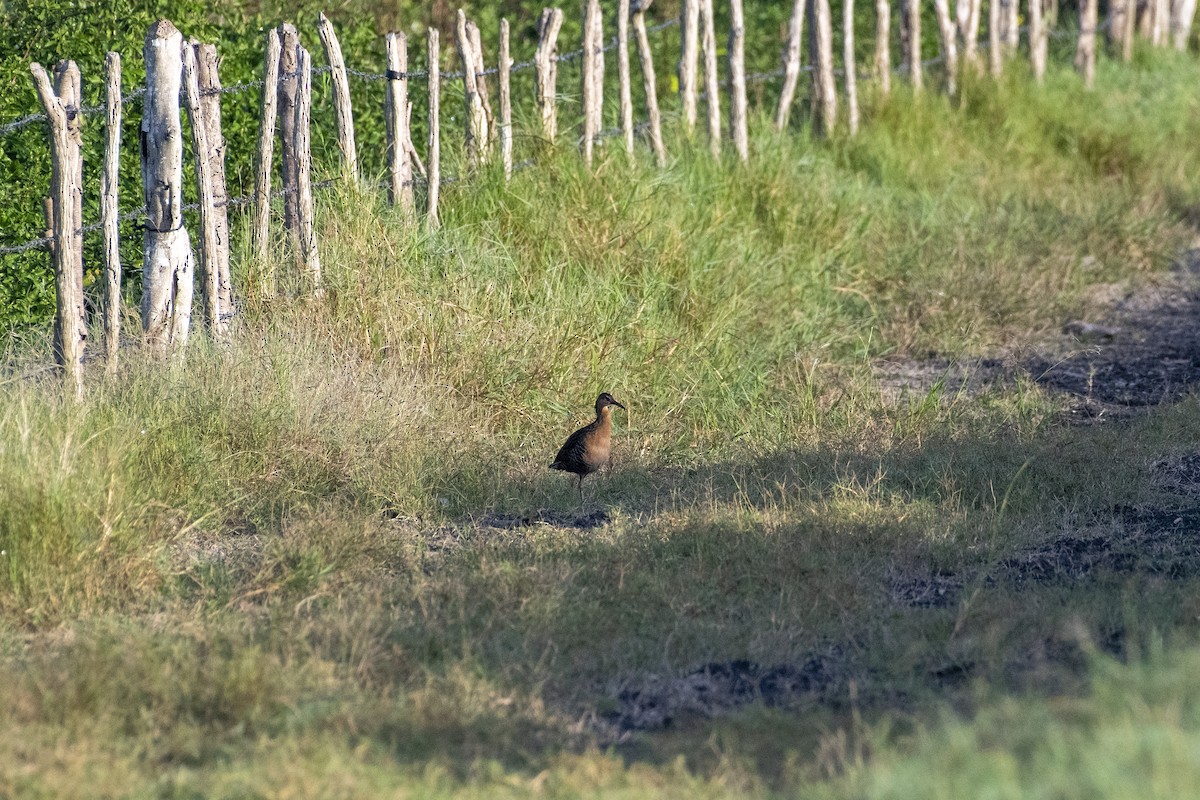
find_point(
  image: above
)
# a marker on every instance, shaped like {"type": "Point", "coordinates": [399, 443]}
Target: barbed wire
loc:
{"type": "Point", "coordinates": [44, 242]}
{"type": "Point", "coordinates": [139, 213]}
{"type": "Point", "coordinates": [245, 86]}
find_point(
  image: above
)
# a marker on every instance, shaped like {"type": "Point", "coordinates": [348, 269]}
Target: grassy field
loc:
{"type": "Point", "coordinates": [328, 560]}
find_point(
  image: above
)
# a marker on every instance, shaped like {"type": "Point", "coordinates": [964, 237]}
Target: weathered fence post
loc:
{"type": "Point", "coordinates": [791, 63]}
{"type": "Point", "coordinates": [343, 113]}
{"type": "Point", "coordinates": [1145, 22]}
{"type": "Point", "coordinates": [1085, 54]}
{"type": "Point", "coordinates": [1038, 41]}
{"type": "Point", "coordinates": [820, 40]}
{"type": "Point", "coordinates": [738, 105]}
{"type": "Point", "coordinates": [1162, 18]}
{"type": "Point", "coordinates": [262, 170]}
{"type": "Point", "coordinates": [481, 83]}
{"type": "Point", "coordinates": [849, 62]}
{"type": "Point", "coordinates": [649, 82]}
{"type": "Point", "coordinates": [1181, 23]}
{"type": "Point", "coordinates": [949, 37]}
{"type": "Point", "coordinates": [434, 156]}
{"type": "Point", "coordinates": [62, 105]}
{"type": "Point", "coordinates": [167, 265]}
{"type": "Point", "coordinates": [109, 188]}
{"type": "Point", "coordinates": [592, 91]}
{"type": "Point", "coordinates": [623, 76]}
{"type": "Point", "coordinates": [306, 255]}
{"type": "Point", "coordinates": [1116, 23]}
{"type": "Point", "coordinates": [598, 70]}
{"type": "Point", "coordinates": [712, 84]}
{"type": "Point", "coordinates": [506, 137]}
{"type": "Point", "coordinates": [204, 181]}
{"type": "Point", "coordinates": [970, 34]}
{"type": "Point", "coordinates": [396, 109]}
{"type": "Point", "coordinates": [966, 13]}
{"type": "Point", "coordinates": [1012, 26]}
{"type": "Point", "coordinates": [995, 54]}
{"type": "Point", "coordinates": [883, 46]}
{"type": "Point", "coordinates": [914, 44]}
{"type": "Point", "coordinates": [546, 75]}
{"type": "Point", "coordinates": [689, 32]}
{"type": "Point", "coordinates": [1129, 29]}
{"type": "Point", "coordinates": [477, 129]}
{"type": "Point", "coordinates": [289, 81]}
{"type": "Point", "coordinates": [209, 83]}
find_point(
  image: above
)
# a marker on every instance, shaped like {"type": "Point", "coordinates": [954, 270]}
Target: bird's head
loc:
{"type": "Point", "coordinates": [604, 400]}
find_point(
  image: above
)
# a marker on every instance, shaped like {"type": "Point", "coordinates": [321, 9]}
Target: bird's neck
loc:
{"type": "Point", "coordinates": [604, 415]}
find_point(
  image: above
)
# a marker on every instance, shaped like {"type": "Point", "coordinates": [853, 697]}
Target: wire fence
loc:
{"type": "Point", "coordinates": [245, 86]}
{"type": "Point", "coordinates": [568, 57]}
{"type": "Point", "coordinates": [44, 242]}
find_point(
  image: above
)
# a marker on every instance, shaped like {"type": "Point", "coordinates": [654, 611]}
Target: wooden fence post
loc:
{"type": "Point", "coordinates": [1085, 54]}
{"type": "Point", "coordinates": [546, 64]}
{"type": "Point", "coordinates": [850, 64]}
{"type": "Point", "coordinates": [598, 70]}
{"type": "Point", "coordinates": [1145, 21]}
{"type": "Point", "coordinates": [712, 82]}
{"type": "Point", "coordinates": [625, 90]}
{"type": "Point", "coordinates": [592, 92]}
{"type": "Point", "coordinates": [307, 256]}
{"type": "Point", "coordinates": [109, 189]}
{"type": "Point", "coordinates": [210, 112]}
{"type": "Point", "coordinates": [791, 63]}
{"type": "Point", "coordinates": [481, 84]}
{"type": "Point", "coordinates": [1129, 29]}
{"type": "Point", "coordinates": [434, 156]}
{"type": "Point", "coordinates": [689, 25]}
{"type": "Point", "coordinates": [995, 54]}
{"type": "Point", "coordinates": [204, 182]}
{"type": "Point", "coordinates": [1012, 27]}
{"type": "Point", "coordinates": [649, 82]}
{"type": "Point", "coordinates": [343, 112]}
{"type": "Point", "coordinates": [289, 83]}
{"type": "Point", "coordinates": [396, 110]}
{"type": "Point", "coordinates": [883, 46]}
{"type": "Point", "coordinates": [820, 39]}
{"type": "Point", "coordinates": [1162, 18]}
{"type": "Point", "coordinates": [949, 35]}
{"type": "Point", "coordinates": [62, 105]}
{"type": "Point", "coordinates": [738, 105]}
{"type": "Point", "coordinates": [168, 262]}
{"type": "Point", "coordinates": [1181, 23]}
{"type": "Point", "coordinates": [506, 138]}
{"type": "Point", "coordinates": [969, 30]}
{"type": "Point", "coordinates": [264, 157]}
{"type": "Point", "coordinates": [1037, 41]}
{"type": "Point", "coordinates": [477, 128]}
{"type": "Point", "coordinates": [914, 44]}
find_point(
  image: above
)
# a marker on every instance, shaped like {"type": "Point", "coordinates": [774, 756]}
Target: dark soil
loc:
{"type": "Point", "coordinates": [1145, 352]}
{"type": "Point", "coordinates": [721, 687]}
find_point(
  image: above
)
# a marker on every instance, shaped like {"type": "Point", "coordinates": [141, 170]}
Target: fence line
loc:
{"type": "Point", "coordinates": [246, 86]}
{"type": "Point", "coordinates": [168, 319]}
{"type": "Point", "coordinates": [237, 88]}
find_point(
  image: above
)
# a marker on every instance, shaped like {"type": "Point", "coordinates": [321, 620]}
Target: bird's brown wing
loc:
{"type": "Point", "coordinates": [571, 454]}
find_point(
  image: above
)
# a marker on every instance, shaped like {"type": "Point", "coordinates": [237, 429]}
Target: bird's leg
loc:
{"type": "Point", "coordinates": [581, 500]}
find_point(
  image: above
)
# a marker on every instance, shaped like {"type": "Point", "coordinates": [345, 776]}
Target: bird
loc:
{"type": "Point", "coordinates": [588, 449]}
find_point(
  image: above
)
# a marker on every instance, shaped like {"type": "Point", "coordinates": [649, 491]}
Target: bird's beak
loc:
{"type": "Point", "coordinates": [622, 405]}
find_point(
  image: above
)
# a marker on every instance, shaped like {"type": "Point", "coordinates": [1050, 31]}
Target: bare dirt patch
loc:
{"type": "Point", "coordinates": [1144, 351]}
{"type": "Point", "coordinates": [655, 702]}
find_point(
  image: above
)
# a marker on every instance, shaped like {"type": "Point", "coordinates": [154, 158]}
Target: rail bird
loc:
{"type": "Point", "coordinates": [588, 449]}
